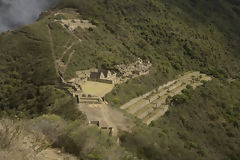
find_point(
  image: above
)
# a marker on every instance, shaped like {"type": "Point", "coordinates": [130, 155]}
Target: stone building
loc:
{"type": "Point", "coordinates": [84, 75]}
{"type": "Point", "coordinates": [104, 76]}
{"type": "Point", "coordinates": [137, 68]}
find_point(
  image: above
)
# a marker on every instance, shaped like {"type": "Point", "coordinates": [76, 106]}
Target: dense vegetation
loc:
{"type": "Point", "coordinates": [28, 80]}
{"type": "Point", "coordinates": [25, 60]}
{"type": "Point", "coordinates": [203, 126]}
{"type": "Point", "coordinates": [176, 36]}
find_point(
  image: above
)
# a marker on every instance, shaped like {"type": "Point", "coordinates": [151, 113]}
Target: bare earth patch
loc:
{"type": "Point", "coordinates": [54, 154]}
{"type": "Point", "coordinates": [107, 116]}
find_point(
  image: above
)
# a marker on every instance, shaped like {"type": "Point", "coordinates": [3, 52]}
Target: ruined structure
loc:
{"type": "Point", "coordinates": [97, 123]}
{"type": "Point", "coordinates": [108, 130]}
{"type": "Point", "coordinates": [135, 69]}
{"type": "Point", "coordinates": [84, 75]}
{"type": "Point", "coordinates": [73, 24]}
{"type": "Point", "coordinates": [104, 76]}
{"type": "Point", "coordinates": [126, 72]}
{"type": "Point", "coordinates": [89, 99]}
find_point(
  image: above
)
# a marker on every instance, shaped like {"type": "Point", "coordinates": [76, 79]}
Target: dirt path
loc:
{"type": "Point", "coordinates": [68, 61]}
{"type": "Point", "coordinates": [67, 49]}
{"type": "Point", "coordinates": [54, 154]}
{"type": "Point", "coordinates": [76, 37]}
{"type": "Point", "coordinates": [59, 65]}
{"type": "Point", "coordinates": [65, 46]}
{"type": "Point", "coordinates": [107, 116]}
{"type": "Point", "coordinates": [71, 32]}
{"type": "Point", "coordinates": [52, 50]}
{"type": "Point", "coordinates": [64, 67]}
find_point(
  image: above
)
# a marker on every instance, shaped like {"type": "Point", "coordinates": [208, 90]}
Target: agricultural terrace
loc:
{"type": "Point", "coordinates": [154, 104]}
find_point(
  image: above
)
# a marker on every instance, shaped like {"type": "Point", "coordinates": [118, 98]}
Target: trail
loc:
{"type": "Point", "coordinates": [70, 32]}
{"type": "Point", "coordinates": [52, 50]}
{"type": "Point", "coordinates": [65, 46]}
{"type": "Point", "coordinates": [68, 61]}
{"type": "Point", "coordinates": [57, 66]}
{"type": "Point", "coordinates": [76, 37]}
{"type": "Point", "coordinates": [105, 114]}
{"type": "Point", "coordinates": [66, 51]}
{"type": "Point", "coordinates": [64, 67]}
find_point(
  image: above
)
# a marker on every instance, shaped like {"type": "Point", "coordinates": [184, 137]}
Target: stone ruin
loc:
{"type": "Point", "coordinates": [135, 69]}
{"type": "Point", "coordinates": [89, 99]}
{"type": "Point", "coordinates": [104, 76]}
{"type": "Point", "coordinates": [126, 72]}
{"type": "Point", "coordinates": [104, 128]}
{"type": "Point", "coordinates": [72, 24]}
{"type": "Point", "coordinates": [97, 123]}
{"type": "Point", "coordinates": [84, 75]}
{"type": "Point", "coordinates": [70, 19]}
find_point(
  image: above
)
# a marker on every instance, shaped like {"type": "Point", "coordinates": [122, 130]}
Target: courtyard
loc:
{"type": "Point", "coordinates": [96, 88]}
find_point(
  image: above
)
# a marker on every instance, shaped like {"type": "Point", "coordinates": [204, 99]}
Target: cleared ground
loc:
{"type": "Point", "coordinates": [107, 116]}
{"type": "Point", "coordinates": [54, 154]}
{"type": "Point", "coordinates": [96, 88]}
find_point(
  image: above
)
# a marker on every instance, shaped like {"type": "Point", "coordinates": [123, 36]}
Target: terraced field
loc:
{"type": "Point", "coordinates": [153, 105]}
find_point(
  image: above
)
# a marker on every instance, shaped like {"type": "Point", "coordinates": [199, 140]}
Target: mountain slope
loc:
{"type": "Point", "coordinates": [28, 76]}
{"type": "Point", "coordinates": [176, 36]}
{"type": "Point", "coordinates": [205, 126]}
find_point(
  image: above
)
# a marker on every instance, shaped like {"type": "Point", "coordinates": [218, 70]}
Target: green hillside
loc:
{"type": "Point", "coordinates": [204, 126]}
{"type": "Point", "coordinates": [175, 35]}
{"type": "Point", "coordinates": [29, 84]}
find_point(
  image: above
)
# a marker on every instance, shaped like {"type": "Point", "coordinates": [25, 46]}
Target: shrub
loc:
{"type": "Point", "coordinates": [90, 29]}
{"type": "Point", "coordinates": [179, 99]}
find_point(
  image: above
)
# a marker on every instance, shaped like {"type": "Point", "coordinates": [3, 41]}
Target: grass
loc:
{"type": "Point", "coordinates": [135, 104]}
{"type": "Point", "coordinates": [60, 38]}
{"type": "Point", "coordinates": [146, 108]}
{"type": "Point", "coordinates": [96, 88]}
{"type": "Point", "coordinates": [151, 105]}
